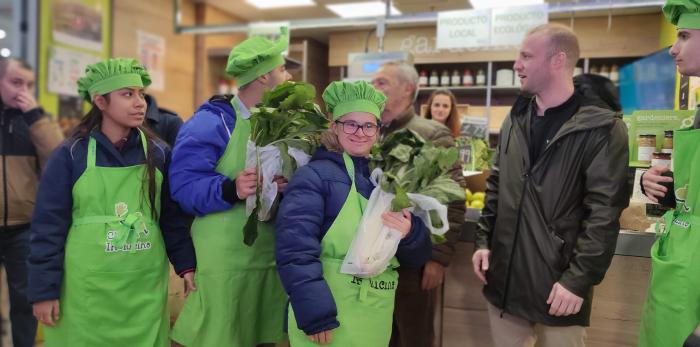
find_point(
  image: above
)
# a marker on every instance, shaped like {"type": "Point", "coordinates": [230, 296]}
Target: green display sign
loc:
{"type": "Point", "coordinates": [646, 123]}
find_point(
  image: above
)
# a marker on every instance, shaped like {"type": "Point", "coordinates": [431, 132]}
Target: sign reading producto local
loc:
{"type": "Point", "coordinates": [496, 27]}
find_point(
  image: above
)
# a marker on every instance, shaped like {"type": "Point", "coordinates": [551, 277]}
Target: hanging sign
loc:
{"type": "Point", "coordinates": [493, 27]}
{"type": "Point", "coordinates": [463, 29]}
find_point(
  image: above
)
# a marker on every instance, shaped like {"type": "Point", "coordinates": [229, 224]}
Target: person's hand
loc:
{"type": "Point", "coordinates": [480, 261]}
{"type": "Point", "coordinates": [433, 275]}
{"type": "Point", "coordinates": [322, 338]}
{"type": "Point", "coordinates": [651, 180]}
{"type": "Point", "coordinates": [26, 102]}
{"type": "Point", "coordinates": [246, 182]}
{"type": "Point", "coordinates": [562, 302]}
{"type": "Point", "coordinates": [47, 312]}
{"type": "Point", "coordinates": [281, 183]}
{"type": "Point", "coordinates": [189, 283]}
{"type": "Point", "coordinates": [399, 221]}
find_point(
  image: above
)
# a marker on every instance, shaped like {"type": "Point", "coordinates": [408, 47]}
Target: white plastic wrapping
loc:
{"type": "Point", "coordinates": [374, 244]}
{"type": "Point", "coordinates": [270, 166]}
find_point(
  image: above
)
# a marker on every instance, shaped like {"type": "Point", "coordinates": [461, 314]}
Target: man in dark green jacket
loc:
{"type": "Point", "coordinates": [416, 295]}
{"type": "Point", "coordinates": [556, 191]}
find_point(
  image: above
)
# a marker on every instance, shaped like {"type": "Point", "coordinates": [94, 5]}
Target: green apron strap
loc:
{"type": "Point", "coordinates": [91, 152]}
{"type": "Point", "coordinates": [350, 168]}
{"type": "Point", "coordinates": [92, 149]}
{"type": "Point", "coordinates": [144, 144]}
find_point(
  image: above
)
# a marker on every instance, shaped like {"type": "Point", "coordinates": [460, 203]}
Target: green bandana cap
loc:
{"type": "Point", "coordinates": [255, 57]}
{"type": "Point", "coordinates": [685, 14]}
{"type": "Point", "coordinates": [109, 75]}
{"type": "Point", "coordinates": [342, 98]}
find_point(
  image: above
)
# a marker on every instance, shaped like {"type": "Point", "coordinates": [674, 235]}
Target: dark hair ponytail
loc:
{"type": "Point", "coordinates": [93, 120]}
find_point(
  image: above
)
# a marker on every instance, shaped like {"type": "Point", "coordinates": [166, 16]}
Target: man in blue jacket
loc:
{"type": "Point", "coordinates": [239, 299]}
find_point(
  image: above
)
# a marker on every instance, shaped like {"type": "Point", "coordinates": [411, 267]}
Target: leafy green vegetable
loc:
{"type": "Point", "coordinates": [412, 165]}
{"type": "Point", "coordinates": [481, 154]}
{"type": "Point", "coordinates": [286, 117]}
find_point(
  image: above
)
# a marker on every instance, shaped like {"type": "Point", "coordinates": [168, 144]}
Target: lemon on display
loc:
{"type": "Point", "coordinates": [469, 194]}
{"type": "Point", "coordinates": [477, 204]}
{"type": "Point", "coordinates": [480, 196]}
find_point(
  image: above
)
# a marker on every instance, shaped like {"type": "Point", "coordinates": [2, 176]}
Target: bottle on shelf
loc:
{"type": "Point", "coordinates": [593, 70]}
{"type": "Point", "coordinates": [480, 78]}
{"type": "Point", "coordinates": [467, 79]}
{"type": "Point", "coordinates": [614, 74]}
{"type": "Point", "coordinates": [445, 79]}
{"type": "Point", "coordinates": [456, 79]}
{"type": "Point", "coordinates": [578, 71]}
{"type": "Point", "coordinates": [604, 71]}
{"type": "Point", "coordinates": [423, 79]}
{"type": "Point", "coordinates": [434, 79]}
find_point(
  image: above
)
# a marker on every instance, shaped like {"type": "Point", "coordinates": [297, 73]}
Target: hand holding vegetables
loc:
{"type": "Point", "coordinates": [284, 131]}
{"type": "Point", "coordinates": [246, 182]}
{"type": "Point", "coordinates": [399, 221]}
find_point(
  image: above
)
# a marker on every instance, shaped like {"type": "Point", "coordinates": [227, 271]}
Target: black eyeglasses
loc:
{"type": "Point", "coordinates": [350, 127]}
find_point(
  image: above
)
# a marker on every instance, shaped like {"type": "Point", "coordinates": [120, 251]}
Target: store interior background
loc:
{"type": "Point", "coordinates": [611, 32]}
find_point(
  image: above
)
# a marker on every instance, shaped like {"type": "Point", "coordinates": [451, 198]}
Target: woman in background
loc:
{"type": "Point", "coordinates": [442, 108]}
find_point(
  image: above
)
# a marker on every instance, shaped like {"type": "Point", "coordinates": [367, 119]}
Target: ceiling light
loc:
{"type": "Point", "coordinates": [273, 4]}
{"type": "Point", "coordinates": [2, 34]}
{"type": "Point", "coordinates": [5, 52]}
{"type": "Point", "coordinates": [503, 3]}
{"type": "Point", "coordinates": [361, 9]}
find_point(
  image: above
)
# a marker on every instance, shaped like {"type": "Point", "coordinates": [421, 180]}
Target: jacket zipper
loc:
{"type": "Point", "coordinates": [512, 248]}
{"type": "Point", "coordinates": [4, 171]}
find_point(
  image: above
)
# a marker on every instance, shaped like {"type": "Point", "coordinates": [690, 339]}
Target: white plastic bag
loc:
{"type": "Point", "coordinates": [270, 166]}
{"type": "Point", "coordinates": [374, 244]}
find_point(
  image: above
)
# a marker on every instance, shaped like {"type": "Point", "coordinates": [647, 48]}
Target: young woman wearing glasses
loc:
{"type": "Point", "coordinates": [317, 221]}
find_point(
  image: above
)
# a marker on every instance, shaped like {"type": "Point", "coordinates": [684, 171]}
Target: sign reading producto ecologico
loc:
{"type": "Point", "coordinates": [504, 26]}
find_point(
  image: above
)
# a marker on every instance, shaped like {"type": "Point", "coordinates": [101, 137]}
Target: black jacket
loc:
{"type": "Point", "coordinates": [163, 122]}
{"type": "Point", "coordinates": [557, 219]}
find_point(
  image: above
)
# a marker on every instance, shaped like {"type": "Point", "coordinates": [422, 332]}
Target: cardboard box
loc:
{"type": "Point", "coordinates": [476, 181]}
{"type": "Point", "coordinates": [635, 217]}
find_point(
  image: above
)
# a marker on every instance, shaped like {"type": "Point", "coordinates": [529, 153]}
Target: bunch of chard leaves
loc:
{"type": "Point", "coordinates": [286, 117]}
{"type": "Point", "coordinates": [412, 165]}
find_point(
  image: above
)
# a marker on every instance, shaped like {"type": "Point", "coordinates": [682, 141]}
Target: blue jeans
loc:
{"type": "Point", "coordinates": [14, 250]}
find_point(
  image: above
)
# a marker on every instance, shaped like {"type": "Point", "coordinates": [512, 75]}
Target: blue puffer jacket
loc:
{"type": "Point", "coordinates": [201, 142]}
{"type": "Point", "coordinates": [311, 203]}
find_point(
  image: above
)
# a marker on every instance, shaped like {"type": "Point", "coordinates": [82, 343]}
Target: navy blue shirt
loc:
{"type": "Point", "coordinates": [53, 211]}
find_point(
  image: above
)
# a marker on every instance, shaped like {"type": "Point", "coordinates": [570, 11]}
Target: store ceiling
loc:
{"type": "Point", "coordinates": [244, 11]}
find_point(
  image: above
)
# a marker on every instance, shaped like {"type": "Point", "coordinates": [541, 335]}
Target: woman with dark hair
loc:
{"type": "Point", "coordinates": [104, 222]}
{"type": "Point", "coordinates": [442, 108]}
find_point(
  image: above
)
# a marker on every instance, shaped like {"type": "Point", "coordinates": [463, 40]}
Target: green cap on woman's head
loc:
{"type": "Point", "coordinates": [342, 98]}
{"type": "Point", "coordinates": [255, 57]}
{"type": "Point", "coordinates": [109, 75]}
{"type": "Point", "coordinates": [685, 14]}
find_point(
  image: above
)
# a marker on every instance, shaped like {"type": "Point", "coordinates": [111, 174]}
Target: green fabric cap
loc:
{"type": "Point", "coordinates": [342, 98]}
{"type": "Point", "coordinates": [255, 57]}
{"type": "Point", "coordinates": [112, 74]}
{"type": "Point", "coordinates": [685, 14]}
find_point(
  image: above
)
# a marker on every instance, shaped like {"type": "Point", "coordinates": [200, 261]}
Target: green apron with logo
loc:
{"type": "Point", "coordinates": [365, 305]}
{"type": "Point", "coordinates": [672, 308]}
{"type": "Point", "coordinates": [239, 301]}
{"type": "Point", "coordinates": [115, 280]}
